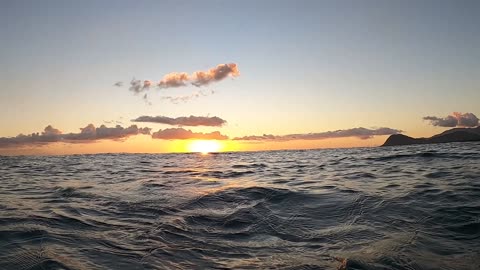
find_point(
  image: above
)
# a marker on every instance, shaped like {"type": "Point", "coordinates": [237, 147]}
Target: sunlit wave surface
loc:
{"type": "Point", "coordinates": [414, 207]}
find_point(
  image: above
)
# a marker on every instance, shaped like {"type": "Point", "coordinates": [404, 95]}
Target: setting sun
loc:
{"type": "Point", "coordinates": [204, 147]}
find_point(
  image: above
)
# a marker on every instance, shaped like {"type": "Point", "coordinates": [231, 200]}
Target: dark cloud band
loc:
{"type": "Point", "coordinates": [362, 133]}
{"type": "Point", "coordinates": [184, 134]}
{"type": "Point", "coordinates": [456, 119]}
{"type": "Point", "coordinates": [90, 133]}
{"type": "Point", "coordinates": [191, 120]}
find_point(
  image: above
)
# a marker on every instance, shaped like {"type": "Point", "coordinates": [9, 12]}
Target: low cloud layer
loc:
{"type": "Point", "coordinates": [456, 119]}
{"type": "Point", "coordinates": [362, 133]}
{"type": "Point", "coordinates": [184, 134]}
{"type": "Point", "coordinates": [179, 79]}
{"type": "Point", "coordinates": [191, 120]}
{"type": "Point", "coordinates": [90, 133]}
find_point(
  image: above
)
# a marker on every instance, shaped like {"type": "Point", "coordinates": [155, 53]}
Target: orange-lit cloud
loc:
{"type": "Point", "coordinates": [456, 119]}
{"type": "Point", "coordinates": [174, 80]}
{"type": "Point", "coordinates": [147, 83]}
{"type": "Point", "coordinates": [362, 133]}
{"type": "Point", "coordinates": [179, 79]}
{"type": "Point", "coordinates": [184, 134]}
{"type": "Point", "coordinates": [191, 120]}
{"type": "Point", "coordinates": [89, 133]}
{"type": "Point", "coordinates": [218, 73]}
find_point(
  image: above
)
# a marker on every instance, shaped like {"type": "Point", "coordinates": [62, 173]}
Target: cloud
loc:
{"type": "Point", "coordinates": [183, 134]}
{"type": "Point", "coordinates": [145, 98]}
{"type": "Point", "coordinates": [448, 121]}
{"type": "Point", "coordinates": [456, 119]}
{"type": "Point", "coordinates": [186, 98]}
{"type": "Point", "coordinates": [180, 79]}
{"type": "Point", "coordinates": [137, 86]}
{"type": "Point", "coordinates": [174, 80]}
{"type": "Point", "coordinates": [51, 131]}
{"type": "Point", "coordinates": [362, 133]}
{"type": "Point", "coordinates": [89, 133]}
{"type": "Point", "coordinates": [113, 121]}
{"type": "Point", "coordinates": [218, 73]}
{"type": "Point", "coordinates": [191, 120]}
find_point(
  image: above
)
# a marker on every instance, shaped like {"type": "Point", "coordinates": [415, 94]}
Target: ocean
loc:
{"type": "Point", "coordinates": [409, 207]}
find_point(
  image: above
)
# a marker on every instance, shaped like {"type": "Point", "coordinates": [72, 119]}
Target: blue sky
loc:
{"type": "Point", "coordinates": [306, 66]}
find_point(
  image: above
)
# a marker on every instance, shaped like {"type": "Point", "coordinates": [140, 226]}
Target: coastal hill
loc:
{"type": "Point", "coordinates": [451, 135]}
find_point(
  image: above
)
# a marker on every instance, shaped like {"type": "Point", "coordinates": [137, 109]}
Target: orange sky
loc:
{"type": "Point", "coordinates": [144, 144]}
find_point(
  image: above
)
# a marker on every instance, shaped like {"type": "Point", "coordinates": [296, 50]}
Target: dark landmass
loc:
{"type": "Point", "coordinates": [451, 135]}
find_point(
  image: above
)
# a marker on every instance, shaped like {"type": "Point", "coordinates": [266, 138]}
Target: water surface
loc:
{"type": "Point", "coordinates": [414, 207]}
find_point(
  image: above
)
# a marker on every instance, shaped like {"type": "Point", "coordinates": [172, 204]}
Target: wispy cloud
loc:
{"type": "Point", "coordinates": [362, 133]}
{"type": "Point", "coordinates": [191, 120]}
{"type": "Point", "coordinates": [90, 133]}
{"type": "Point", "coordinates": [184, 134]}
{"type": "Point", "coordinates": [145, 98]}
{"type": "Point", "coordinates": [109, 122]}
{"type": "Point", "coordinates": [137, 86]}
{"type": "Point", "coordinates": [185, 98]}
{"type": "Point", "coordinates": [456, 119]}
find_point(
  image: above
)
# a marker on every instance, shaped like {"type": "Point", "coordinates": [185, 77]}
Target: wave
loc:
{"type": "Point", "coordinates": [413, 207]}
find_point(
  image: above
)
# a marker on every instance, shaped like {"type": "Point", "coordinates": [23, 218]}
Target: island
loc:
{"type": "Point", "coordinates": [451, 135]}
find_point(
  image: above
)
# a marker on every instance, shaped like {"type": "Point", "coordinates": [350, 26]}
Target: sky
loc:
{"type": "Point", "coordinates": [324, 68]}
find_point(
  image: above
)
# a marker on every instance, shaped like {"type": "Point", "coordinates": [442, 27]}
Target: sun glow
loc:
{"type": "Point", "coordinates": [204, 147]}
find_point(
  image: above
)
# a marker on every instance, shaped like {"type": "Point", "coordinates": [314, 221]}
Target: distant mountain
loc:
{"type": "Point", "coordinates": [451, 135]}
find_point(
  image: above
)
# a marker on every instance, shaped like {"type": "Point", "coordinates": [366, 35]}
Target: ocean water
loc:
{"type": "Point", "coordinates": [411, 207]}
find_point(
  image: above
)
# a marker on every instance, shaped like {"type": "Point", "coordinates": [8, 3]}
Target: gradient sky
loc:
{"type": "Point", "coordinates": [306, 66]}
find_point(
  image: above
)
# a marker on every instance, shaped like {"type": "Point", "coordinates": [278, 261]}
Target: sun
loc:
{"type": "Point", "coordinates": [204, 147]}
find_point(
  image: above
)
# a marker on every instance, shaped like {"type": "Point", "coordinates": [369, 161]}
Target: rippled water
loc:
{"type": "Point", "coordinates": [415, 207]}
